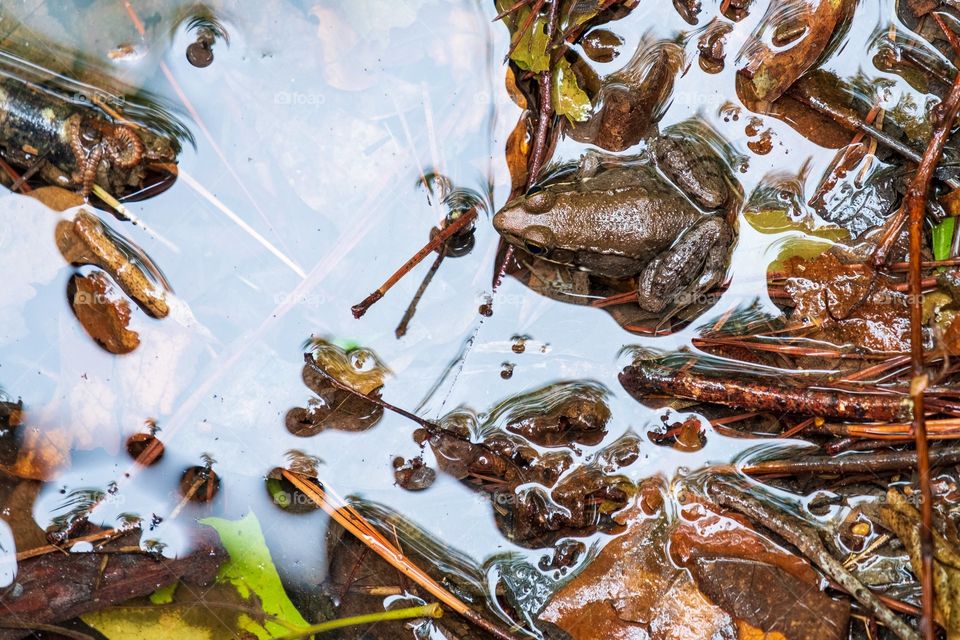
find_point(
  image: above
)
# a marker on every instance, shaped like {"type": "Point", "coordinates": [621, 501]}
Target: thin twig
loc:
{"type": "Point", "coordinates": [431, 427]}
{"type": "Point", "coordinates": [351, 520]}
{"type": "Point", "coordinates": [401, 329]}
{"type": "Point", "coordinates": [914, 210]}
{"type": "Point", "coordinates": [434, 243]}
{"type": "Point", "coordinates": [545, 81]}
{"type": "Point", "coordinates": [873, 462]}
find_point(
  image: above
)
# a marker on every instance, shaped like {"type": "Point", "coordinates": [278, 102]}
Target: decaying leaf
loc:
{"type": "Point", "coordinates": [517, 150]}
{"type": "Point", "coordinates": [358, 581]}
{"type": "Point", "coordinates": [61, 586]}
{"type": "Point", "coordinates": [632, 590]}
{"type": "Point", "coordinates": [632, 99]}
{"type": "Point", "coordinates": [42, 453]}
{"type": "Point", "coordinates": [770, 599]}
{"type": "Point", "coordinates": [334, 407]}
{"type": "Point", "coordinates": [358, 368]}
{"type": "Point", "coordinates": [848, 304]}
{"type": "Point", "coordinates": [798, 32]}
{"type": "Point", "coordinates": [904, 520]}
{"type": "Point", "coordinates": [102, 313]}
{"type": "Point", "coordinates": [780, 221]}
{"type": "Point", "coordinates": [755, 581]}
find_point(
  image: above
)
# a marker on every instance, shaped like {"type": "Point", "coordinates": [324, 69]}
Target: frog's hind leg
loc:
{"type": "Point", "coordinates": [683, 273]}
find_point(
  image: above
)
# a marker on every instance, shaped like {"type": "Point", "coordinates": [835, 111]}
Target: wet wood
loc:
{"type": "Point", "coordinates": [435, 242]}
{"type": "Point", "coordinates": [56, 587]}
{"type": "Point", "coordinates": [764, 396]}
{"type": "Point", "coordinates": [869, 462]}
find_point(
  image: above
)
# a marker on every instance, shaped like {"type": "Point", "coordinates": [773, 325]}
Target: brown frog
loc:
{"type": "Point", "coordinates": [661, 217]}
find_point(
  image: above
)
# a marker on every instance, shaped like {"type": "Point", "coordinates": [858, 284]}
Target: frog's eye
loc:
{"type": "Point", "coordinates": [539, 201]}
{"type": "Point", "coordinates": [537, 240]}
{"type": "Point", "coordinates": [534, 248]}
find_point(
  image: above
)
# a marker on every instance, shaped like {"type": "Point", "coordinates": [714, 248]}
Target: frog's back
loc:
{"type": "Point", "coordinates": [630, 213]}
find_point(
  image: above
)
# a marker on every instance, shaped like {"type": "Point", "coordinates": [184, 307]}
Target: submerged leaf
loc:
{"type": "Point", "coordinates": [252, 572]}
{"type": "Point", "coordinates": [632, 590]}
{"type": "Point", "coordinates": [568, 98]}
{"type": "Point", "coordinates": [797, 32]}
{"type": "Point", "coordinates": [779, 221]}
{"type": "Point", "coordinates": [531, 53]}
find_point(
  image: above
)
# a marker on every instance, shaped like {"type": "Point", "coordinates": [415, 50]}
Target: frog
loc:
{"type": "Point", "coordinates": [662, 216]}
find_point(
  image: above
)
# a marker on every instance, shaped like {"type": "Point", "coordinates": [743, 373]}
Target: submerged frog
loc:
{"type": "Point", "coordinates": [660, 218]}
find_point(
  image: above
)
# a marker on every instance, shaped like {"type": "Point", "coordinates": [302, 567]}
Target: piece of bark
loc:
{"type": "Point", "coordinates": [55, 587]}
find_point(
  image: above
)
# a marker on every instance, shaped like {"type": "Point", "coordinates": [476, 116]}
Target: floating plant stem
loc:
{"type": "Point", "coordinates": [432, 610]}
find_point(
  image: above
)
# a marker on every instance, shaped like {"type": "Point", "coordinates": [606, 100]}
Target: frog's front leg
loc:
{"type": "Point", "coordinates": [695, 262]}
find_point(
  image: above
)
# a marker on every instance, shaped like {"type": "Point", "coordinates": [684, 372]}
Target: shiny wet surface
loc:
{"type": "Point", "coordinates": [315, 127]}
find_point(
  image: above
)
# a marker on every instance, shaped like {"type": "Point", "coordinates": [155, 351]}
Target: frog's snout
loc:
{"type": "Point", "coordinates": [500, 220]}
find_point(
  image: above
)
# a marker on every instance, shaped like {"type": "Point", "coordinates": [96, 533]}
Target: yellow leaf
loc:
{"type": "Point", "coordinates": [568, 98]}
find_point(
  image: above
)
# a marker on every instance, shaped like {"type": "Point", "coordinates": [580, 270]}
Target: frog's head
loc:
{"type": "Point", "coordinates": [528, 222]}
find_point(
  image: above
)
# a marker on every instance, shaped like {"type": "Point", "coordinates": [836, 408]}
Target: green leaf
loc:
{"type": "Point", "coordinates": [251, 570]}
{"type": "Point", "coordinates": [164, 595]}
{"type": "Point", "coordinates": [943, 238]}
{"type": "Point", "coordinates": [157, 624]}
{"type": "Point", "coordinates": [806, 247]}
{"type": "Point", "coordinates": [779, 221]}
{"type": "Point", "coordinates": [568, 98]}
{"type": "Point", "coordinates": [531, 53]}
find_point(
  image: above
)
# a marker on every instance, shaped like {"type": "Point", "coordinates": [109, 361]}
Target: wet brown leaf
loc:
{"type": "Point", "coordinates": [631, 99]}
{"type": "Point", "coordinates": [102, 313]}
{"type": "Point", "coordinates": [904, 520]}
{"type": "Point", "coordinates": [601, 45]}
{"type": "Point", "coordinates": [799, 31]}
{"type": "Point", "coordinates": [847, 304]}
{"type": "Point", "coordinates": [770, 599]}
{"type": "Point", "coordinates": [334, 407]}
{"type": "Point", "coordinates": [43, 453]}
{"type": "Point", "coordinates": [920, 8]}
{"type": "Point", "coordinates": [58, 586]}
{"type": "Point", "coordinates": [517, 151]}
{"type": "Point", "coordinates": [702, 532]}
{"type": "Point", "coordinates": [357, 368]}
{"type": "Point", "coordinates": [358, 581]}
{"type": "Point", "coordinates": [763, 586]}
{"type": "Point", "coordinates": [413, 475]}
{"type": "Point", "coordinates": [631, 589]}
